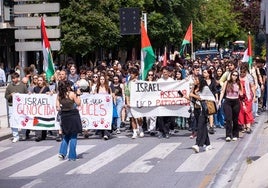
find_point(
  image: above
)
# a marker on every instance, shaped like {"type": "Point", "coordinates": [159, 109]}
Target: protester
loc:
{"type": "Point", "coordinates": [103, 87]}
{"type": "Point", "coordinates": [2, 75]}
{"type": "Point", "coordinates": [211, 83]}
{"type": "Point", "coordinates": [202, 138]}
{"type": "Point", "coordinates": [67, 101]}
{"type": "Point", "coordinates": [232, 90]}
{"type": "Point", "coordinates": [165, 121]}
{"type": "Point", "coordinates": [119, 97]}
{"type": "Point", "coordinates": [15, 87]}
{"type": "Point", "coordinates": [135, 122]}
{"type": "Point", "coordinates": [39, 89]}
{"type": "Point", "coordinates": [245, 118]}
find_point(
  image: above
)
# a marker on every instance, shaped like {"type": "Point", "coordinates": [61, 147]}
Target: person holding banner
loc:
{"type": "Point", "coordinates": [103, 87]}
{"type": "Point", "coordinates": [15, 87]}
{"type": "Point", "coordinates": [67, 102]}
{"type": "Point", "coordinates": [134, 73]}
{"type": "Point", "coordinates": [41, 88]}
{"type": "Point", "coordinates": [165, 121]}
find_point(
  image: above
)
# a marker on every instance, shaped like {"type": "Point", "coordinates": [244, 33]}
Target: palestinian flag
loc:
{"type": "Point", "coordinates": [44, 122]}
{"type": "Point", "coordinates": [48, 65]}
{"type": "Point", "coordinates": [147, 53]}
{"type": "Point", "coordinates": [247, 57]}
{"type": "Point", "coordinates": [188, 38]}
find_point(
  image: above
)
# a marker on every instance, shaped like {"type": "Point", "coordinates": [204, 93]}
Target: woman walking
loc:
{"type": "Point", "coordinates": [231, 106]}
{"type": "Point", "coordinates": [202, 138]}
{"type": "Point", "coordinates": [71, 125]}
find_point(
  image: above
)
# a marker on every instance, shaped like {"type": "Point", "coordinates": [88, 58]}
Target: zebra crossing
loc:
{"type": "Point", "coordinates": [143, 163]}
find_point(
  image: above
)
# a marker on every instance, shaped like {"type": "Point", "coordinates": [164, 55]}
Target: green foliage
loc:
{"type": "Point", "coordinates": [88, 25]}
{"type": "Point", "coordinates": [85, 28]}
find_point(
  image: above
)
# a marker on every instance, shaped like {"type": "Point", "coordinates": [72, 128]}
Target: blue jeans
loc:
{"type": "Point", "coordinates": [219, 117]}
{"type": "Point", "coordinates": [71, 141]}
{"type": "Point", "coordinates": [119, 106]}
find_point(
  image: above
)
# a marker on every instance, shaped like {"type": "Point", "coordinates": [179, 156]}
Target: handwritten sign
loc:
{"type": "Point", "coordinates": [35, 111]}
{"type": "Point", "coordinates": [159, 98]}
{"type": "Point", "coordinates": [96, 111]}
{"type": "Point", "coordinates": [38, 111]}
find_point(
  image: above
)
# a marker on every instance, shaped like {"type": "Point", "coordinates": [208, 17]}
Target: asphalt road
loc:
{"type": "Point", "coordinates": [123, 162]}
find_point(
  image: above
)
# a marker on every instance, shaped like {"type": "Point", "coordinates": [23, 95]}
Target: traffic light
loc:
{"type": "Point", "coordinates": [129, 21]}
{"type": "Point", "coordinates": [8, 3]}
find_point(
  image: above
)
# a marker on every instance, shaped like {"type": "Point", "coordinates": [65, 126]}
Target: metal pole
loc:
{"type": "Point", "coordinates": [144, 19]}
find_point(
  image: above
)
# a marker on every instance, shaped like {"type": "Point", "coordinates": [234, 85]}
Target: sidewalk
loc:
{"type": "Point", "coordinates": [5, 131]}
{"type": "Point", "coordinates": [253, 170]}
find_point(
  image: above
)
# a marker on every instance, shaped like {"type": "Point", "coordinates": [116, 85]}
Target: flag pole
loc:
{"type": "Point", "coordinates": [192, 43]}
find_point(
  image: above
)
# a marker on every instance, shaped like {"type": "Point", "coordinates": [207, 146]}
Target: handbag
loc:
{"type": "Point", "coordinates": [209, 107]}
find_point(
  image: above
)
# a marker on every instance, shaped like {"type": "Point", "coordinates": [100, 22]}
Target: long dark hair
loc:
{"type": "Point", "coordinates": [63, 88]}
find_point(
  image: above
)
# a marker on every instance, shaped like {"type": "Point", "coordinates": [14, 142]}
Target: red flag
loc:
{"type": "Point", "coordinates": [250, 61]}
{"type": "Point", "coordinates": [188, 38]}
{"type": "Point", "coordinates": [147, 53]}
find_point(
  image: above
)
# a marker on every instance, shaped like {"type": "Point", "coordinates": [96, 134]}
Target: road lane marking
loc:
{"type": "Point", "coordinates": [47, 164]}
{"type": "Point", "coordinates": [4, 148]}
{"type": "Point", "coordinates": [21, 156]}
{"type": "Point", "coordinates": [146, 162]}
{"type": "Point", "coordinates": [199, 161]}
{"type": "Point", "coordinates": [102, 159]}
{"type": "Point", "coordinates": [33, 183]}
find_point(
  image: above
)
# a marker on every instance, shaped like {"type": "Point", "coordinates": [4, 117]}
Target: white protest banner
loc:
{"type": "Point", "coordinates": [96, 111]}
{"type": "Point", "coordinates": [38, 111]}
{"type": "Point", "coordinates": [159, 98]}
{"type": "Point", "coordinates": [34, 111]}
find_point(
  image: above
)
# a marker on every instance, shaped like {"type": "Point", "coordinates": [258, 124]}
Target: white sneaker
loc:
{"type": "Point", "coordinates": [141, 134]}
{"type": "Point", "coordinates": [195, 148]}
{"type": "Point", "coordinates": [234, 139]}
{"type": "Point", "coordinates": [135, 135]}
{"type": "Point", "coordinates": [16, 139]}
{"type": "Point", "coordinates": [228, 139]}
{"type": "Point", "coordinates": [118, 131]}
{"type": "Point", "coordinates": [209, 147]}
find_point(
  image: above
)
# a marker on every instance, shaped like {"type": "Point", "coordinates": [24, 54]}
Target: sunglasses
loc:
{"type": "Point", "coordinates": [150, 74]}
{"type": "Point", "coordinates": [95, 76]}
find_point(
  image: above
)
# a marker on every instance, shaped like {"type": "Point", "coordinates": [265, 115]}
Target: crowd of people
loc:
{"type": "Point", "coordinates": [240, 93]}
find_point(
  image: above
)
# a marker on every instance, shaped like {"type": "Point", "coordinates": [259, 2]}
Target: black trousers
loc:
{"type": "Point", "coordinates": [231, 109]}
{"type": "Point", "coordinates": [202, 130]}
{"type": "Point", "coordinates": [165, 123]}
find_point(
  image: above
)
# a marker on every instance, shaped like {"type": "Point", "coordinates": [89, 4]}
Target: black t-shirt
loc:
{"type": "Point", "coordinates": [37, 89]}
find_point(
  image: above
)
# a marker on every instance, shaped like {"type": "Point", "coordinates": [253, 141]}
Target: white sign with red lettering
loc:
{"type": "Point", "coordinates": [159, 98]}
{"type": "Point", "coordinates": [38, 111]}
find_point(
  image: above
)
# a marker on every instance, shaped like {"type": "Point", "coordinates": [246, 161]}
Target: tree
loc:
{"type": "Point", "coordinates": [217, 22]}
{"type": "Point", "coordinates": [88, 29]}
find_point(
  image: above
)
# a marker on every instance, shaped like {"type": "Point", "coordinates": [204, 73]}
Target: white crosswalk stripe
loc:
{"type": "Point", "coordinates": [198, 162]}
{"type": "Point", "coordinates": [144, 163]}
{"type": "Point", "coordinates": [4, 148]}
{"type": "Point", "coordinates": [47, 164]}
{"type": "Point", "coordinates": [18, 157]}
{"type": "Point", "coordinates": [102, 159]}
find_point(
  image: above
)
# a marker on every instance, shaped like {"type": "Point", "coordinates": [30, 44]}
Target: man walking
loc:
{"type": "Point", "coordinates": [14, 87]}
